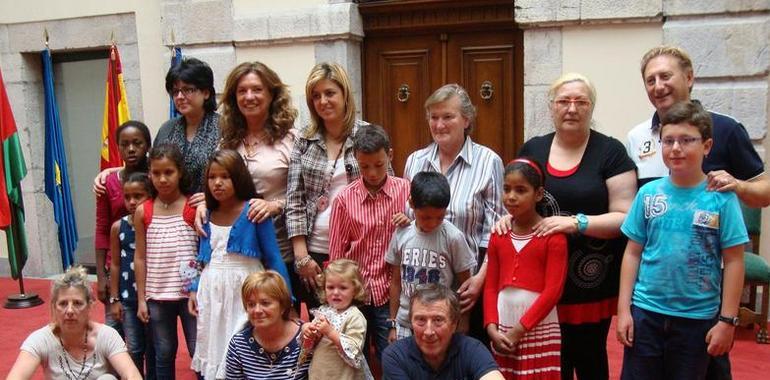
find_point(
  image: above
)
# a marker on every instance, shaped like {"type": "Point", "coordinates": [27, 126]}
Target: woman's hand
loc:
{"type": "Point", "coordinates": [503, 226]}
{"type": "Point", "coordinates": [260, 209]}
{"type": "Point", "coordinates": [197, 199]}
{"type": "Point", "coordinates": [142, 313]}
{"type": "Point", "coordinates": [192, 304]}
{"type": "Point", "coordinates": [308, 272]}
{"type": "Point", "coordinates": [555, 224]}
{"type": "Point", "coordinates": [400, 220]}
{"type": "Point", "coordinates": [116, 309]}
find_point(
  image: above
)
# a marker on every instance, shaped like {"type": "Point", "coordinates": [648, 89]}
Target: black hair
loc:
{"type": "Point", "coordinates": [370, 139]}
{"type": "Point", "coordinates": [691, 113]}
{"type": "Point", "coordinates": [529, 168]}
{"type": "Point", "coordinates": [173, 153]}
{"type": "Point", "coordinates": [197, 73]}
{"type": "Point", "coordinates": [143, 165]}
{"type": "Point", "coordinates": [143, 179]}
{"type": "Point", "coordinates": [430, 189]}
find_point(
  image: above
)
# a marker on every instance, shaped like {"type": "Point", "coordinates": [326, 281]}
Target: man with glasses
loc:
{"type": "Point", "coordinates": [732, 164]}
{"type": "Point", "coordinates": [436, 351]}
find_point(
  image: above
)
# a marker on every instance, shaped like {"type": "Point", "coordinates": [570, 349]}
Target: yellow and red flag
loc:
{"type": "Point", "coordinates": [115, 111]}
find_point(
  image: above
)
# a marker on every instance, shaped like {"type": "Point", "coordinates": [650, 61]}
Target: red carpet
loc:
{"type": "Point", "coordinates": [750, 361]}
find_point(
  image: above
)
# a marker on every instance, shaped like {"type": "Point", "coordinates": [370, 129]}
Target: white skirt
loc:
{"type": "Point", "coordinates": [220, 311]}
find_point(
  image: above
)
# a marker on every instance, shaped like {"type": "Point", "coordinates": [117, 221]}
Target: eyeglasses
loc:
{"type": "Point", "coordinates": [186, 91]}
{"type": "Point", "coordinates": [684, 142]}
{"type": "Point", "coordinates": [565, 103]}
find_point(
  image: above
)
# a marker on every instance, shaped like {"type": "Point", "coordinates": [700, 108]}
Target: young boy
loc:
{"type": "Point", "coordinates": [364, 216]}
{"type": "Point", "coordinates": [669, 315]}
{"type": "Point", "coordinates": [429, 250]}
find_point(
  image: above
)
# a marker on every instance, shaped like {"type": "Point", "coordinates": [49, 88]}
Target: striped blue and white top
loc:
{"type": "Point", "coordinates": [476, 186]}
{"type": "Point", "coordinates": [246, 359]}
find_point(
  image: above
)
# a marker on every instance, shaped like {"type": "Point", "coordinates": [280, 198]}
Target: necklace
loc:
{"type": "Point", "coordinates": [65, 362]}
{"type": "Point", "coordinates": [323, 201]}
{"type": "Point", "coordinates": [251, 147]}
{"type": "Point", "coordinates": [166, 205]}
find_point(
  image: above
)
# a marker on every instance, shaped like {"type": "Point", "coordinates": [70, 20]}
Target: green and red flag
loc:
{"type": "Point", "coordinates": [115, 111]}
{"type": "Point", "coordinates": [12, 171]}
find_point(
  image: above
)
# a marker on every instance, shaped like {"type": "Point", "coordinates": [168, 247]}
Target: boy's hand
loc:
{"type": "Point", "coordinates": [116, 309]}
{"type": "Point", "coordinates": [469, 292]}
{"type": "Point", "coordinates": [192, 304]}
{"type": "Point", "coordinates": [720, 339]}
{"type": "Point", "coordinates": [503, 226]}
{"type": "Point", "coordinates": [625, 329]}
{"type": "Point", "coordinates": [500, 342]}
{"type": "Point", "coordinates": [400, 220]}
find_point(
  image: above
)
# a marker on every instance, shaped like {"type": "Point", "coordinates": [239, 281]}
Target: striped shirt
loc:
{"type": "Point", "coordinates": [170, 242]}
{"type": "Point", "coordinates": [476, 184]}
{"type": "Point", "coordinates": [246, 359]}
{"type": "Point", "coordinates": [361, 229]}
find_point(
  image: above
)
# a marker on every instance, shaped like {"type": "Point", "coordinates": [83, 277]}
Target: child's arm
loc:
{"type": "Point", "coordinates": [339, 231]}
{"type": "Point", "coordinates": [555, 273]}
{"type": "Point", "coordinates": [395, 297]}
{"type": "Point", "coordinates": [462, 326]}
{"type": "Point", "coordinates": [115, 307]}
{"type": "Point", "coordinates": [491, 285]}
{"type": "Point", "coordinates": [349, 341]}
{"type": "Point", "coordinates": [629, 270]}
{"type": "Point", "coordinates": [720, 337]}
{"type": "Point", "coordinates": [140, 266]}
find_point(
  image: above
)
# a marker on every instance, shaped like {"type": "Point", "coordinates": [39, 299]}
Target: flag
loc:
{"type": "Point", "coordinates": [176, 57]}
{"type": "Point", "coordinates": [12, 171]}
{"type": "Point", "coordinates": [57, 185]}
{"type": "Point", "coordinates": [115, 111]}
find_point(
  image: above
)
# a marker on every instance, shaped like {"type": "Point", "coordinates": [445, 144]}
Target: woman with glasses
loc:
{"type": "Point", "coordinates": [594, 182]}
{"type": "Point", "coordinates": [73, 346]}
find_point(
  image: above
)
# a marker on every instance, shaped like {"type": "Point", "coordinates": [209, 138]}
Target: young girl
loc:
{"type": "Point", "coordinates": [339, 325]}
{"type": "Point", "coordinates": [123, 304]}
{"type": "Point", "coordinates": [166, 244]}
{"type": "Point", "coordinates": [525, 277]}
{"type": "Point", "coordinates": [133, 143]}
{"type": "Point", "coordinates": [233, 248]}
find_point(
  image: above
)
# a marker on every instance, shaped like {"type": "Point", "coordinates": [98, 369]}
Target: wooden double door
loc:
{"type": "Point", "coordinates": [402, 70]}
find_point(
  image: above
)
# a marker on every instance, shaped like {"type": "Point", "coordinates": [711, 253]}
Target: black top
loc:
{"type": "Point", "coordinates": [594, 264]}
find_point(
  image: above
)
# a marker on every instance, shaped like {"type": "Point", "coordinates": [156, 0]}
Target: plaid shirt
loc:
{"type": "Point", "coordinates": [308, 176]}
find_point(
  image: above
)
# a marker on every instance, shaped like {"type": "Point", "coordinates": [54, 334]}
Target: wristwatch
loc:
{"type": "Point", "coordinates": [733, 321]}
{"type": "Point", "coordinates": [114, 300]}
{"type": "Point", "coordinates": [581, 222]}
{"type": "Point", "coordinates": [391, 323]}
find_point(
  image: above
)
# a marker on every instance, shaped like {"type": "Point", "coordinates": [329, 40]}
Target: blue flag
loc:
{"type": "Point", "coordinates": [57, 185]}
{"type": "Point", "coordinates": [176, 57]}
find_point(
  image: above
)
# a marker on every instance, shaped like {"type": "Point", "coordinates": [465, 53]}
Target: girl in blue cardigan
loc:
{"type": "Point", "coordinates": [232, 248]}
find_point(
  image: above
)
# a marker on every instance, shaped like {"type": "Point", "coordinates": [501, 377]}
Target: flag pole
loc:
{"type": "Point", "coordinates": [22, 300]}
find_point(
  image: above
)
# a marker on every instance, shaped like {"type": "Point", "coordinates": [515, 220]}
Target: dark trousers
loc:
{"type": "Point", "coordinates": [666, 347]}
{"type": "Point", "coordinates": [584, 350]}
{"type": "Point", "coordinates": [377, 327]}
{"type": "Point", "coordinates": [139, 341]}
{"type": "Point", "coordinates": [163, 316]}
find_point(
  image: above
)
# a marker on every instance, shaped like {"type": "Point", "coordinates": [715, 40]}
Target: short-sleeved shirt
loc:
{"type": "Point", "coordinates": [44, 345]}
{"type": "Point", "coordinates": [683, 232]}
{"type": "Point", "coordinates": [427, 258]}
{"type": "Point", "coordinates": [732, 150]}
{"type": "Point", "coordinates": [466, 358]}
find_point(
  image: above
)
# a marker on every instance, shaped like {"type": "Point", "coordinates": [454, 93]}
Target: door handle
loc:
{"type": "Point", "coordinates": [403, 93]}
{"type": "Point", "coordinates": [486, 90]}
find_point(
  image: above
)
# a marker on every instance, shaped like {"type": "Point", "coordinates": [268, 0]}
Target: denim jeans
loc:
{"type": "Point", "coordinates": [139, 341]}
{"type": "Point", "coordinates": [163, 315]}
{"type": "Point", "coordinates": [377, 327]}
{"type": "Point", "coordinates": [666, 347]}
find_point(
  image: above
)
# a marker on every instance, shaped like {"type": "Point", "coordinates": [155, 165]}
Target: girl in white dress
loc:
{"type": "Point", "coordinates": [233, 248]}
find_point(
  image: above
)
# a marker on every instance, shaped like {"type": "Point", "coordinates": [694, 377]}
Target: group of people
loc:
{"type": "Point", "coordinates": [464, 268]}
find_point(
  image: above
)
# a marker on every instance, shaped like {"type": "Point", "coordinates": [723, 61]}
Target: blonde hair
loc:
{"type": "Point", "coordinates": [271, 284]}
{"type": "Point", "coordinates": [685, 63]}
{"type": "Point", "coordinates": [569, 78]}
{"type": "Point", "coordinates": [75, 277]}
{"type": "Point", "coordinates": [335, 73]}
{"type": "Point", "coordinates": [348, 270]}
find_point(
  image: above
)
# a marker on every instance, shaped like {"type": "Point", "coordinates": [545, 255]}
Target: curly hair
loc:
{"type": "Point", "coordinates": [232, 123]}
{"type": "Point", "coordinates": [348, 270]}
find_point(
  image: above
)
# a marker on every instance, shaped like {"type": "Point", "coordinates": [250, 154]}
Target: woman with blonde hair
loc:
{"type": "Point", "coordinates": [73, 346]}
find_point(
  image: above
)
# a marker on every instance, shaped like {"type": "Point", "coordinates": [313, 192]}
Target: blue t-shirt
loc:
{"type": "Point", "coordinates": [467, 359]}
{"type": "Point", "coordinates": [683, 232]}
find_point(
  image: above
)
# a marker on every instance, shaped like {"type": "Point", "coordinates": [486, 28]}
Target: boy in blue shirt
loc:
{"type": "Point", "coordinates": [669, 315]}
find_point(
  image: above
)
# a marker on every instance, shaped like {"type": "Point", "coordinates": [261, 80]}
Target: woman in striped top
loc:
{"type": "Point", "coordinates": [166, 246]}
{"type": "Point", "coordinates": [270, 345]}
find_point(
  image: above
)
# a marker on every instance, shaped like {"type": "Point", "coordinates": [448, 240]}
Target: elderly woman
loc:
{"type": "Point", "coordinates": [594, 182]}
{"type": "Point", "coordinates": [475, 175]}
{"type": "Point", "coordinates": [257, 120]}
{"type": "Point", "coordinates": [321, 165]}
{"type": "Point", "coordinates": [270, 346]}
{"type": "Point", "coordinates": [73, 346]}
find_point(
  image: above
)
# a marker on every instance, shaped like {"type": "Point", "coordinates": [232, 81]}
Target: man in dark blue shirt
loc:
{"type": "Point", "coordinates": [436, 350]}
